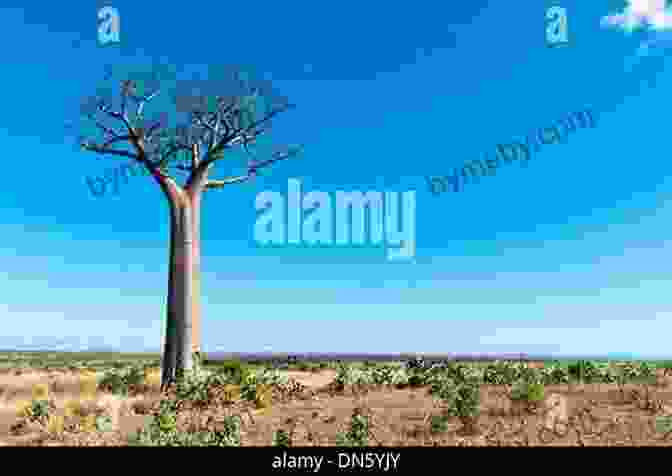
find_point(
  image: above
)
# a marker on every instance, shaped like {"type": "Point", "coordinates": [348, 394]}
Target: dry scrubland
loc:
{"type": "Point", "coordinates": [49, 399]}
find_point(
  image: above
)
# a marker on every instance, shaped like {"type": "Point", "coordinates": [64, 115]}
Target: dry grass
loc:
{"type": "Point", "coordinates": [75, 402]}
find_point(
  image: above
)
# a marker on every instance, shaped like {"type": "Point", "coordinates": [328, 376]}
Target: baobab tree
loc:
{"type": "Point", "coordinates": [214, 125]}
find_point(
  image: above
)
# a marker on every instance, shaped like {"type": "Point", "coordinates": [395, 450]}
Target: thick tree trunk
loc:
{"type": "Point", "coordinates": [177, 356]}
{"type": "Point", "coordinates": [183, 327]}
{"type": "Point", "coordinates": [169, 346]}
{"type": "Point", "coordinates": [195, 199]}
{"type": "Point", "coordinates": [184, 265]}
{"type": "Point", "coordinates": [194, 190]}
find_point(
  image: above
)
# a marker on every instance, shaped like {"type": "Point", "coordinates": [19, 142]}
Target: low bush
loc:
{"type": "Point", "coordinates": [528, 391]}
{"type": "Point", "coordinates": [388, 374]}
{"type": "Point", "coordinates": [163, 431]}
{"type": "Point", "coordinates": [585, 371]}
{"type": "Point", "coordinates": [349, 375]}
{"type": "Point", "coordinates": [498, 373]}
{"type": "Point", "coordinates": [438, 424]}
{"type": "Point", "coordinates": [35, 410]}
{"type": "Point", "coordinates": [235, 370]}
{"type": "Point", "coordinates": [664, 424]}
{"type": "Point", "coordinates": [460, 396]}
{"type": "Point", "coordinates": [357, 433]}
{"type": "Point", "coordinates": [194, 387]}
{"type": "Point", "coordinates": [256, 386]}
{"type": "Point", "coordinates": [555, 374]}
{"type": "Point", "coordinates": [122, 381]}
{"type": "Point", "coordinates": [282, 439]}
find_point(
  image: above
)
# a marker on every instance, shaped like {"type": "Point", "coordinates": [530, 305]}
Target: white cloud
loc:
{"type": "Point", "coordinates": [642, 13]}
{"type": "Point", "coordinates": [652, 16]}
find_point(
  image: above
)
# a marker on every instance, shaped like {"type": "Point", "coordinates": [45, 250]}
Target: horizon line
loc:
{"type": "Point", "coordinates": [356, 357]}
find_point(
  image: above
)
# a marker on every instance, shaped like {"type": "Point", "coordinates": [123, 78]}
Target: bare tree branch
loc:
{"type": "Point", "coordinates": [213, 184]}
{"type": "Point", "coordinates": [278, 157]}
{"type": "Point", "coordinates": [106, 130]}
{"type": "Point", "coordinates": [115, 140]}
{"type": "Point", "coordinates": [102, 150]}
{"type": "Point", "coordinates": [153, 129]}
{"type": "Point", "coordinates": [252, 171]}
{"type": "Point", "coordinates": [126, 87]}
{"type": "Point", "coordinates": [172, 151]}
{"type": "Point", "coordinates": [144, 100]}
{"type": "Point", "coordinates": [237, 136]}
{"type": "Point", "coordinates": [116, 115]}
{"type": "Point", "coordinates": [213, 130]}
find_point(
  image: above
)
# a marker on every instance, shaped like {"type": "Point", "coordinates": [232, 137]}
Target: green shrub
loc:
{"type": "Point", "coordinates": [388, 374]}
{"type": "Point", "coordinates": [625, 372]}
{"type": "Point", "coordinates": [528, 391]}
{"type": "Point", "coordinates": [198, 360]}
{"type": "Point", "coordinates": [104, 423]}
{"type": "Point", "coordinates": [461, 398]}
{"type": "Point", "coordinates": [642, 372]}
{"type": "Point", "coordinates": [459, 371]}
{"type": "Point", "coordinates": [235, 370]}
{"type": "Point", "coordinates": [445, 390]}
{"type": "Point", "coordinates": [344, 374]}
{"type": "Point", "coordinates": [262, 378]}
{"type": "Point", "coordinates": [162, 431]}
{"type": "Point", "coordinates": [502, 372]}
{"type": "Point", "coordinates": [605, 373]}
{"type": "Point", "coordinates": [36, 410]}
{"type": "Point", "coordinates": [248, 387]}
{"type": "Point", "coordinates": [271, 377]}
{"type": "Point", "coordinates": [357, 434]}
{"type": "Point", "coordinates": [194, 387]}
{"type": "Point", "coordinates": [120, 381]}
{"type": "Point", "coordinates": [439, 424]}
{"type": "Point", "coordinates": [349, 375]}
{"type": "Point", "coordinates": [585, 371]}
{"type": "Point", "coordinates": [467, 403]}
{"type": "Point", "coordinates": [664, 424]}
{"type": "Point", "coordinates": [435, 373]}
{"type": "Point", "coordinates": [230, 435]}
{"type": "Point", "coordinates": [575, 370]}
{"type": "Point", "coordinates": [555, 374]}
{"type": "Point", "coordinates": [497, 373]}
{"type": "Point", "coordinates": [645, 371]}
{"type": "Point", "coordinates": [166, 420]}
{"type": "Point", "coordinates": [418, 377]}
{"type": "Point", "coordinates": [113, 381]}
{"type": "Point", "coordinates": [282, 439]}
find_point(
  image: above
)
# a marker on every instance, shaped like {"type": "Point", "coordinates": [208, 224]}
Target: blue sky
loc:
{"type": "Point", "coordinates": [567, 256]}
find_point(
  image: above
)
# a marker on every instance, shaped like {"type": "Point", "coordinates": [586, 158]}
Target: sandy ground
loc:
{"type": "Point", "coordinates": [597, 414]}
{"type": "Point", "coordinates": [16, 388]}
{"type": "Point", "coordinates": [311, 379]}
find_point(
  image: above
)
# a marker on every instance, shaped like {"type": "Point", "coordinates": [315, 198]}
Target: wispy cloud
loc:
{"type": "Point", "coordinates": [647, 14]}
{"type": "Point", "coordinates": [652, 17]}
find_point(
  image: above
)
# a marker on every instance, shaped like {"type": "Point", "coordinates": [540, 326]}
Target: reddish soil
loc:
{"type": "Point", "coordinates": [571, 415]}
